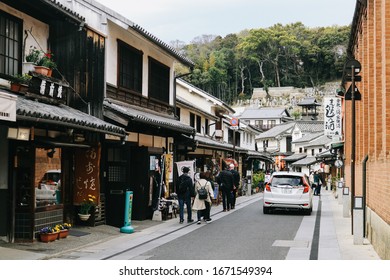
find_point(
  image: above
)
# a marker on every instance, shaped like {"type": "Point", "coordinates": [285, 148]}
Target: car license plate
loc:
{"type": "Point", "coordinates": [286, 191]}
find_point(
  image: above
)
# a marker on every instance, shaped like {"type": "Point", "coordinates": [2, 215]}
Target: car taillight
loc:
{"type": "Point", "coordinates": [267, 188]}
{"type": "Point", "coordinates": [306, 188]}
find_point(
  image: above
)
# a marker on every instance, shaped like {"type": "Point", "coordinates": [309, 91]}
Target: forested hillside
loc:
{"type": "Point", "coordinates": [281, 55]}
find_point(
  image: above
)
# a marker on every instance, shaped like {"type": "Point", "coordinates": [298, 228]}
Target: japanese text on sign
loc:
{"type": "Point", "coordinates": [87, 174]}
{"type": "Point", "coordinates": [332, 116]}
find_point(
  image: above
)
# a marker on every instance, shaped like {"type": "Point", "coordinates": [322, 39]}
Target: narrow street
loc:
{"type": "Point", "coordinates": [242, 234]}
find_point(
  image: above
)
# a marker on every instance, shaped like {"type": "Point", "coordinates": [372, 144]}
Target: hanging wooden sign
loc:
{"type": "Point", "coordinates": [87, 174]}
{"type": "Point", "coordinates": [47, 88]}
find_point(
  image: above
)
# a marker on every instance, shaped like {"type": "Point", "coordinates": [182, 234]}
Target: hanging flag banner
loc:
{"type": "Point", "coordinates": [332, 116]}
{"type": "Point", "coordinates": [190, 164]}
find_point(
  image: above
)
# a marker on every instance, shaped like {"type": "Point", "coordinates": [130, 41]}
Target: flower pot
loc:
{"type": "Point", "coordinates": [23, 88]}
{"type": "Point", "coordinates": [43, 70]}
{"type": "Point", "coordinates": [48, 237]}
{"type": "Point", "coordinates": [15, 87]}
{"type": "Point", "coordinates": [27, 67]}
{"type": "Point", "coordinates": [84, 217]}
{"type": "Point", "coordinates": [63, 233]}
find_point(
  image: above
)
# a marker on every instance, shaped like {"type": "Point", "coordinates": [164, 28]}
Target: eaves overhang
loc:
{"type": "Point", "coordinates": [45, 10]}
{"type": "Point", "coordinates": [130, 113]}
{"type": "Point", "coordinates": [62, 115]}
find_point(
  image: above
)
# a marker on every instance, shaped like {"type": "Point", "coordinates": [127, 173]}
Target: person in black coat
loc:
{"type": "Point", "coordinates": [226, 183]}
{"type": "Point", "coordinates": [236, 184]}
{"type": "Point", "coordinates": [185, 191]}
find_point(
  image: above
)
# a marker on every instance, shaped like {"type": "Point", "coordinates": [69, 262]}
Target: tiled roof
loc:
{"type": "Point", "coordinates": [276, 130]}
{"type": "Point", "coordinates": [305, 161]}
{"type": "Point", "coordinates": [163, 45]}
{"type": "Point", "coordinates": [310, 126]}
{"type": "Point", "coordinates": [264, 113]}
{"type": "Point", "coordinates": [320, 141]}
{"type": "Point", "coordinates": [63, 115]}
{"type": "Point", "coordinates": [325, 154]}
{"type": "Point", "coordinates": [308, 137]}
{"type": "Point", "coordinates": [147, 116]}
{"type": "Point", "coordinates": [65, 9]}
{"type": "Point", "coordinates": [295, 157]}
{"type": "Point", "coordinates": [309, 101]}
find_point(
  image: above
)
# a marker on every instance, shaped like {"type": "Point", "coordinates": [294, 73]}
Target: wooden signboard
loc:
{"type": "Point", "coordinates": [47, 89]}
{"type": "Point", "coordinates": [87, 175]}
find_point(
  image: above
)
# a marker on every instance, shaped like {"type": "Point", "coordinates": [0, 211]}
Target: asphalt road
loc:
{"type": "Point", "coordinates": [245, 234]}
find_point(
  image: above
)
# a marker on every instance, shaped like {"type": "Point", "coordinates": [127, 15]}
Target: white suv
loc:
{"type": "Point", "coordinates": [288, 190]}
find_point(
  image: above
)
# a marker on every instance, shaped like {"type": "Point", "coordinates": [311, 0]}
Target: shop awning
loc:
{"type": "Point", "coordinates": [337, 145]}
{"type": "Point", "coordinates": [62, 115]}
{"type": "Point", "coordinates": [129, 115]}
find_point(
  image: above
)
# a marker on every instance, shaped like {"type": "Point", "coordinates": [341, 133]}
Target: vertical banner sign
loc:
{"type": "Point", "coordinates": [332, 116]}
{"type": "Point", "coordinates": [168, 172]}
{"type": "Point", "coordinates": [87, 175]}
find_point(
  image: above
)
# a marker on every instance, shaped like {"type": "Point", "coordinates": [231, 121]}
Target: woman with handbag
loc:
{"type": "Point", "coordinates": [203, 203]}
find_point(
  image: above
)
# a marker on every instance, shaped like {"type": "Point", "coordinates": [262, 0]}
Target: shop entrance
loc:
{"type": "Point", "coordinates": [37, 190]}
{"type": "Point", "coordinates": [117, 184]}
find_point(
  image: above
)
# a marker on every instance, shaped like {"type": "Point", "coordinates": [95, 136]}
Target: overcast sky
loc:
{"type": "Point", "coordinates": [183, 20]}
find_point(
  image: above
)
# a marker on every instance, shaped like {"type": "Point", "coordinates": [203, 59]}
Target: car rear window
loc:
{"type": "Point", "coordinates": [287, 180]}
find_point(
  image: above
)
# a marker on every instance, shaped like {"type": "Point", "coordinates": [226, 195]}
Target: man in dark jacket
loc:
{"type": "Point", "coordinates": [236, 184]}
{"type": "Point", "coordinates": [226, 183]}
{"type": "Point", "coordinates": [318, 183]}
{"type": "Point", "coordinates": [185, 191]}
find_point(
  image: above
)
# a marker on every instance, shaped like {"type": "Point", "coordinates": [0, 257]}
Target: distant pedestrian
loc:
{"type": "Point", "coordinates": [203, 206]}
{"type": "Point", "coordinates": [185, 192]}
{"type": "Point", "coordinates": [226, 182]}
{"type": "Point", "coordinates": [317, 182]}
{"type": "Point", "coordinates": [236, 185]}
{"type": "Point", "coordinates": [311, 180]}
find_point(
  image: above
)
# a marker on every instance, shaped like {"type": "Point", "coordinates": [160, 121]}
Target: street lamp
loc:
{"type": "Point", "coordinates": [353, 68]}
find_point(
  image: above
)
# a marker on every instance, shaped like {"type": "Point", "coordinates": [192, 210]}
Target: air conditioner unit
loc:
{"type": "Point", "coordinates": [218, 133]}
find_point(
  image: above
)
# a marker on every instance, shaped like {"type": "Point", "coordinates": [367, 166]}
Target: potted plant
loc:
{"type": "Point", "coordinates": [20, 82]}
{"type": "Point", "coordinates": [63, 230]}
{"type": "Point", "coordinates": [48, 234]}
{"type": "Point", "coordinates": [31, 59]}
{"type": "Point", "coordinates": [33, 55]}
{"type": "Point", "coordinates": [86, 206]}
{"type": "Point", "coordinates": [45, 64]}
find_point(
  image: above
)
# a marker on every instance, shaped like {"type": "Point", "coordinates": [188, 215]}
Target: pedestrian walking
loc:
{"type": "Point", "coordinates": [311, 180]}
{"type": "Point", "coordinates": [317, 183]}
{"type": "Point", "coordinates": [225, 181]}
{"type": "Point", "coordinates": [185, 192]}
{"type": "Point", "coordinates": [203, 206]}
{"type": "Point", "coordinates": [236, 185]}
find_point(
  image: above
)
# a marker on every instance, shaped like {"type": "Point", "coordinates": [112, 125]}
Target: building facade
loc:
{"type": "Point", "coordinates": [51, 133]}
{"type": "Point", "coordinates": [368, 45]}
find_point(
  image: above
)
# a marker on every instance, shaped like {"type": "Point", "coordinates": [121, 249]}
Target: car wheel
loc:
{"type": "Point", "coordinates": [266, 210]}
